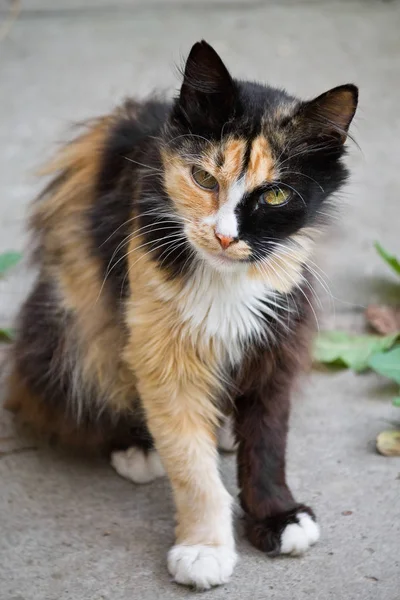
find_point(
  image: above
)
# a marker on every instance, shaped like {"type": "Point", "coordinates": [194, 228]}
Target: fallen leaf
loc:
{"type": "Point", "coordinates": [371, 577]}
{"type": "Point", "coordinates": [353, 351]}
{"type": "Point", "coordinates": [384, 319]}
{"type": "Point", "coordinates": [388, 443]}
{"type": "Point", "coordinates": [347, 513]}
{"type": "Point", "coordinates": [387, 364]}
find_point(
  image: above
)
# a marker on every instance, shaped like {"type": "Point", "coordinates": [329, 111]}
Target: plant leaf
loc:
{"type": "Point", "coordinates": [396, 401]}
{"type": "Point", "coordinates": [388, 443]}
{"type": "Point", "coordinates": [6, 334]}
{"type": "Point", "coordinates": [9, 260]}
{"type": "Point", "coordinates": [387, 364]}
{"type": "Point", "coordinates": [353, 351]}
{"type": "Point", "coordinates": [391, 260]}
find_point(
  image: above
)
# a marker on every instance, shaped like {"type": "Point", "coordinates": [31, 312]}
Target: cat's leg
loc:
{"type": "Point", "coordinates": [204, 552]}
{"type": "Point", "coordinates": [183, 419]}
{"type": "Point", "coordinates": [141, 464]}
{"type": "Point", "coordinates": [276, 523]}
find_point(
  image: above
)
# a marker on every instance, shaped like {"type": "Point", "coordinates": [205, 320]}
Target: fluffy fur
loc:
{"type": "Point", "coordinates": [162, 306]}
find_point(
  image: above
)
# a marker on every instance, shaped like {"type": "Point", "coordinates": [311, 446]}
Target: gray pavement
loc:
{"type": "Point", "coordinates": [70, 528]}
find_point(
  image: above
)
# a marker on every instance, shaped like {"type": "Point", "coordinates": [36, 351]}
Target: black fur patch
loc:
{"type": "Point", "coordinates": [268, 532]}
{"type": "Point", "coordinates": [127, 152]}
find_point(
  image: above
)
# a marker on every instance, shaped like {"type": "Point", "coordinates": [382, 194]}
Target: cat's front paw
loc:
{"type": "Point", "coordinates": [201, 566]}
{"type": "Point", "coordinates": [291, 532]}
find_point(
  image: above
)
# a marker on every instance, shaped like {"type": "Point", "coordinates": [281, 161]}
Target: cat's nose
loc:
{"type": "Point", "coordinates": [224, 240]}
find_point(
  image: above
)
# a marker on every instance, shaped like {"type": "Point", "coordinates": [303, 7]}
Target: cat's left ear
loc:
{"type": "Point", "coordinates": [208, 89]}
{"type": "Point", "coordinates": [330, 114]}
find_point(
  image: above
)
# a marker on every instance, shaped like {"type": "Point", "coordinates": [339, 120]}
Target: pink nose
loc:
{"type": "Point", "coordinates": [224, 240]}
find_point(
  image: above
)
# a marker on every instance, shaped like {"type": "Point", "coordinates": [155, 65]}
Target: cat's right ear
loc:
{"type": "Point", "coordinates": [208, 89]}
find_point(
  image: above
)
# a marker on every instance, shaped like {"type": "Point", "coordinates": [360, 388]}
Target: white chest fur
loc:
{"type": "Point", "coordinates": [227, 307]}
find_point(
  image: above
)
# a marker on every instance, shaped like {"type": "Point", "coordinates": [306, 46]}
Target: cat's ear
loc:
{"type": "Point", "coordinates": [207, 89]}
{"type": "Point", "coordinates": [330, 114]}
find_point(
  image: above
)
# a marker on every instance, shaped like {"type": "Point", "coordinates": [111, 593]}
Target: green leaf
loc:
{"type": "Point", "coordinates": [387, 364]}
{"type": "Point", "coordinates": [392, 261]}
{"type": "Point", "coordinates": [6, 334]}
{"type": "Point", "coordinates": [396, 401]}
{"type": "Point", "coordinates": [353, 351]}
{"type": "Point", "coordinates": [9, 260]}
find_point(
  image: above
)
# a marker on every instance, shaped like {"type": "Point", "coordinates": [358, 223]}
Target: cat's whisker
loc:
{"type": "Point", "coordinates": [137, 233]}
{"type": "Point", "coordinates": [125, 256]}
{"type": "Point", "coordinates": [266, 264]}
{"type": "Point", "coordinates": [331, 216]}
{"type": "Point", "coordinates": [173, 250]}
{"type": "Point", "coordinates": [149, 252]}
{"type": "Point", "coordinates": [293, 189]}
{"type": "Point", "coordinates": [187, 135]}
{"type": "Point", "coordinates": [271, 259]}
{"type": "Point", "coordinates": [285, 250]}
{"type": "Point", "coordinates": [131, 160]}
{"type": "Point", "coordinates": [308, 150]}
{"type": "Point", "coordinates": [286, 172]}
{"type": "Point", "coordinates": [130, 220]}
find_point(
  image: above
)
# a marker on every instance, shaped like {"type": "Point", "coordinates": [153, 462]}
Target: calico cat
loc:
{"type": "Point", "coordinates": [175, 290]}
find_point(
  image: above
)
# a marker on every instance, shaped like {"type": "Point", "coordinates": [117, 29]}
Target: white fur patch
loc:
{"type": "Point", "coordinates": [137, 465]}
{"type": "Point", "coordinates": [201, 566]}
{"type": "Point", "coordinates": [297, 538]}
{"type": "Point", "coordinates": [226, 439]}
{"type": "Point", "coordinates": [227, 307]}
{"type": "Point", "coordinates": [226, 222]}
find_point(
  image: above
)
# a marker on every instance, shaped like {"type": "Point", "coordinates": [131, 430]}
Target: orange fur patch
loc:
{"type": "Point", "coordinates": [97, 337]}
{"type": "Point", "coordinates": [178, 382]}
{"type": "Point", "coordinates": [261, 164]}
{"type": "Point", "coordinates": [233, 153]}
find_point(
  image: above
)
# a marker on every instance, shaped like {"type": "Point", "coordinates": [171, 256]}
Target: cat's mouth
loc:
{"type": "Point", "coordinates": [221, 260]}
{"type": "Point", "coordinates": [204, 242]}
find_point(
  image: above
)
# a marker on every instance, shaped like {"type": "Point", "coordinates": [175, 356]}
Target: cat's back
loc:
{"type": "Point", "coordinates": [82, 217]}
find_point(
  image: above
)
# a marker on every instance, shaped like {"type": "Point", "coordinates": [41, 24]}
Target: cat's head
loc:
{"type": "Point", "coordinates": [247, 166]}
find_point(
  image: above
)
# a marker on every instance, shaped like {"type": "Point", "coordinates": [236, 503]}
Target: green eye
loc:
{"type": "Point", "coordinates": [204, 179]}
{"type": "Point", "coordinates": [275, 197]}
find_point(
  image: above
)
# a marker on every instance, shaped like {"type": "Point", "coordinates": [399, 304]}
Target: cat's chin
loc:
{"type": "Point", "coordinates": [222, 263]}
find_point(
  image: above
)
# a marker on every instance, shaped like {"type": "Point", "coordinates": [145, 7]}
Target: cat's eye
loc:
{"type": "Point", "coordinates": [275, 197]}
{"type": "Point", "coordinates": [204, 179]}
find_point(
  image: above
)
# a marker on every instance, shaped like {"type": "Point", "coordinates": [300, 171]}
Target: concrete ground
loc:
{"type": "Point", "coordinates": [71, 528]}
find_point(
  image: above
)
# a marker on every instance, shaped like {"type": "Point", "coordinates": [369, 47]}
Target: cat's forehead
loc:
{"type": "Point", "coordinates": [238, 158]}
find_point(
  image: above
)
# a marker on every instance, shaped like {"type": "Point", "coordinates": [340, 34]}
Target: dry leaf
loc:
{"type": "Point", "coordinates": [388, 443]}
{"type": "Point", "coordinates": [384, 319]}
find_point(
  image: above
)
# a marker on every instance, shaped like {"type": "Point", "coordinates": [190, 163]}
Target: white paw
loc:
{"type": "Point", "coordinates": [137, 465]}
{"type": "Point", "coordinates": [201, 566]}
{"type": "Point", "coordinates": [226, 438]}
{"type": "Point", "coordinates": [298, 537]}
